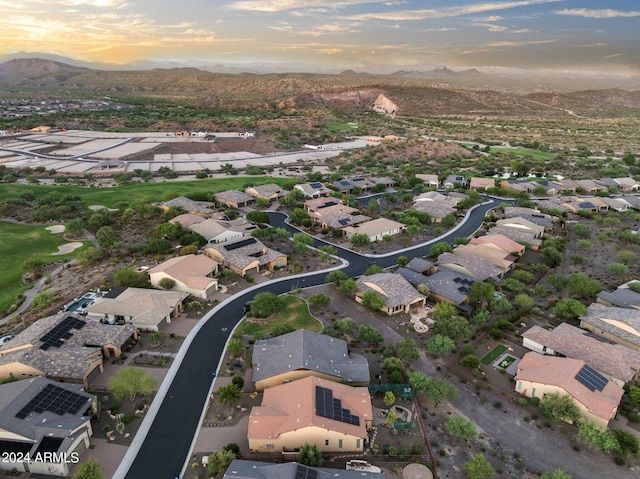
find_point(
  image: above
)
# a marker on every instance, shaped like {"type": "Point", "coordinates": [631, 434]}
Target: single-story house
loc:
{"type": "Point", "coordinates": [242, 469]}
{"type": "Point", "coordinates": [499, 243]}
{"type": "Point", "coordinates": [200, 208]}
{"type": "Point", "coordinates": [145, 309]}
{"type": "Point", "coordinates": [481, 183]}
{"type": "Point", "coordinates": [304, 353]}
{"type": "Point", "coordinates": [313, 190]}
{"type": "Point", "coordinates": [219, 231]}
{"type": "Point", "coordinates": [620, 325]}
{"type": "Point", "coordinates": [596, 396]}
{"type": "Point", "coordinates": [470, 265]}
{"type": "Point", "coordinates": [531, 214]}
{"type": "Point", "coordinates": [429, 180]}
{"type": "Point", "coordinates": [376, 229]}
{"type": "Point", "coordinates": [436, 209]}
{"type": "Point", "coordinates": [422, 266]}
{"type": "Point", "coordinates": [617, 204]}
{"type": "Point", "coordinates": [233, 198]}
{"type": "Point", "coordinates": [187, 220]}
{"type": "Point", "coordinates": [614, 361]}
{"type": "Point", "coordinates": [500, 259]}
{"type": "Point", "coordinates": [335, 417]}
{"type": "Point", "coordinates": [192, 274]}
{"type": "Point", "coordinates": [622, 297]}
{"type": "Point", "coordinates": [455, 181]}
{"type": "Point", "coordinates": [246, 256]}
{"type": "Point", "coordinates": [48, 421]}
{"type": "Point", "coordinates": [398, 294]}
{"type": "Point", "coordinates": [63, 347]}
{"type": "Point", "coordinates": [521, 224]}
{"type": "Point", "coordinates": [444, 285]}
{"type": "Point", "coordinates": [269, 191]}
{"type": "Point", "coordinates": [526, 239]}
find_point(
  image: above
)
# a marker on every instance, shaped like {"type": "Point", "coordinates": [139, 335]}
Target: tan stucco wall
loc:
{"type": "Point", "coordinates": [155, 279]}
{"type": "Point", "coordinates": [526, 389]}
{"type": "Point", "coordinates": [595, 330]}
{"type": "Point", "coordinates": [313, 435]}
{"type": "Point", "coordinates": [19, 371]}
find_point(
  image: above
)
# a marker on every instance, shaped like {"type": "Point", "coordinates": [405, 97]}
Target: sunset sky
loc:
{"type": "Point", "coordinates": [419, 34]}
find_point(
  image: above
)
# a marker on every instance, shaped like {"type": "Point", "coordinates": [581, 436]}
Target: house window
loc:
{"type": "Point", "coordinates": [519, 385]}
{"type": "Point", "coordinates": [339, 443]}
{"type": "Point", "coordinates": [269, 446]}
{"type": "Point", "coordinates": [326, 442]}
{"type": "Point", "coordinates": [533, 392]}
{"type": "Point", "coordinates": [357, 443]}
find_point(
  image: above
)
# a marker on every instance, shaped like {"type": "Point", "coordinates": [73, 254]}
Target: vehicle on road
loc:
{"type": "Point", "coordinates": [247, 307]}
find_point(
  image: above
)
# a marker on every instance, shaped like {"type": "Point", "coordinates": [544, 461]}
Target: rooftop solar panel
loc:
{"type": "Point", "coordinates": [55, 399]}
{"type": "Point", "coordinates": [49, 444]}
{"type": "Point", "coordinates": [62, 331]}
{"type": "Point", "coordinates": [315, 186]}
{"type": "Point", "coordinates": [16, 447]}
{"type": "Point", "coordinates": [240, 244]}
{"type": "Point", "coordinates": [329, 407]}
{"type": "Point", "coordinates": [343, 221]}
{"type": "Point", "coordinates": [591, 379]}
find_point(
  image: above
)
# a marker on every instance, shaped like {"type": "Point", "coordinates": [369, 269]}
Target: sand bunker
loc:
{"type": "Point", "coordinates": [67, 248]}
{"type": "Point", "coordinates": [101, 207]}
{"type": "Point", "coordinates": [55, 229]}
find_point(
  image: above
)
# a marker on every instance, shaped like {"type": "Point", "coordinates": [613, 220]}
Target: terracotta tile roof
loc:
{"type": "Point", "coordinates": [291, 406]}
{"type": "Point", "coordinates": [233, 196]}
{"type": "Point", "coordinates": [561, 372]}
{"type": "Point", "coordinates": [522, 237]}
{"type": "Point", "coordinates": [613, 360]}
{"type": "Point", "coordinates": [501, 241]}
{"type": "Point", "coordinates": [187, 219]}
{"type": "Point", "coordinates": [375, 227]}
{"type": "Point", "coordinates": [496, 257]}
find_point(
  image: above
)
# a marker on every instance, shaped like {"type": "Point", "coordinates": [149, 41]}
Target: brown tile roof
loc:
{"type": "Point", "coordinates": [191, 270]}
{"type": "Point", "coordinates": [187, 219]}
{"type": "Point", "coordinates": [495, 257]}
{"type": "Point", "coordinates": [474, 264]}
{"type": "Point", "coordinates": [623, 323]}
{"type": "Point", "coordinates": [394, 289]}
{"type": "Point", "coordinates": [291, 406]}
{"type": "Point", "coordinates": [613, 360]}
{"type": "Point", "coordinates": [561, 372]}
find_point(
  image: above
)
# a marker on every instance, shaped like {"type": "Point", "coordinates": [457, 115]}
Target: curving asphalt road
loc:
{"type": "Point", "coordinates": [162, 447]}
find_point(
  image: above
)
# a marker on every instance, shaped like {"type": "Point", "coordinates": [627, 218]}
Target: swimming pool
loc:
{"type": "Point", "coordinates": [82, 302]}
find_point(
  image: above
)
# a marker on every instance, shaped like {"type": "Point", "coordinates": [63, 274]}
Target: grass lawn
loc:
{"type": "Point", "coordinates": [137, 191]}
{"type": "Point", "coordinates": [535, 154]}
{"type": "Point", "coordinates": [17, 243]}
{"type": "Point", "coordinates": [341, 126]}
{"type": "Point", "coordinates": [493, 354]}
{"type": "Point", "coordinates": [296, 314]}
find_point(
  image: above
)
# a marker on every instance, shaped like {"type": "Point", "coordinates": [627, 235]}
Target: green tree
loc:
{"type": "Point", "coordinates": [418, 381]}
{"type": "Point", "coordinates": [319, 301]}
{"type": "Point", "coordinates": [389, 398]}
{"type": "Point", "coordinates": [228, 394]}
{"type": "Point", "coordinates": [372, 300]}
{"type": "Point", "coordinates": [402, 261]}
{"type": "Point", "coordinates": [236, 346]}
{"type": "Point", "coordinates": [479, 468]}
{"type": "Point", "coordinates": [298, 215]}
{"type": "Point", "coordinates": [369, 334]}
{"type": "Point", "coordinates": [439, 390]}
{"type": "Point", "coordinates": [348, 287]}
{"type": "Point", "coordinates": [131, 381]}
{"type": "Point", "coordinates": [219, 461]}
{"type": "Point", "coordinates": [128, 277]}
{"type": "Point", "coordinates": [303, 238]}
{"type": "Point", "coordinates": [560, 407]}
{"type": "Point", "coordinates": [373, 269]}
{"type": "Point", "coordinates": [392, 364]}
{"type": "Point", "coordinates": [335, 277]}
{"type": "Point", "coordinates": [462, 427]}
{"type": "Point", "coordinates": [310, 455]}
{"type": "Point", "coordinates": [90, 255]}
{"type": "Point", "coordinates": [455, 327]}
{"type": "Point", "coordinates": [551, 256]}
{"type": "Point", "coordinates": [569, 308]}
{"type": "Point", "coordinates": [627, 440]}
{"type": "Point", "coordinates": [75, 227]}
{"type": "Point", "coordinates": [469, 361]}
{"type": "Point", "coordinates": [557, 474]}
{"type": "Point", "coordinates": [439, 345]}
{"type": "Point", "coordinates": [108, 237]}
{"type": "Point", "coordinates": [581, 285]}
{"type": "Point", "coordinates": [439, 248]}
{"type": "Point", "coordinates": [167, 283]}
{"type": "Point", "coordinates": [360, 239]}
{"type": "Point", "coordinates": [634, 394]}
{"type": "Point", "coordinates": [281, 328]}
{"type": "Point", "coordinates": [627, 257]}
{"type": "Point", "coordinates": [265, 304]}
{"type": "Point", "coordinates": [259, 217]}
{"type": "Point", "coordinates": [523, 301]}
{"type": "Point", "coordinates": [597, 438]}
{"type": "Point", "coordinates": [481, 293]}
{"type": "Point", "coordinates": [444, 310]}
{"type": "Point", "coordinates": [170, 231]}
{"type": "Point", "coordinates": [406, 349]}
{"type": "Point", "coordinates": [91, 469]}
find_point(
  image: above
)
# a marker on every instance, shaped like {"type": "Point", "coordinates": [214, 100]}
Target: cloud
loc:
{"type": "Point", "coordinates": [441, 29]}
{"type": "Point", "coordinates": [520, 44]}
{"type": "Point", "coordinates": [608, 13]}
{"type": "Point", "coordinates": [281, 5]}
{"type": "Point", "coordinates": [95, 3]}
{"type": "Point", "coordinates": [282, 27]}
{"type": "Point", "coordinates": [613, 55]}
{"type": "Point", "coordinates": [329, 51]}
{"type": "Point", "coordinates": [331, 29]}
{"type": "Point", "coordinates": [447, 12]}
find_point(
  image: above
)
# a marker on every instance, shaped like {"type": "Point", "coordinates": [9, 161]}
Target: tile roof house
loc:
{"type": "Point", "coordinates": [469, 265]}
{"type": "Point", "coordinates": [192, 274]}
{"type": "Point", "coordinates": [313, 190]}
{"type": "Point", "coordinates": [241, 469]}
{"type": "Point", "coordinates": [49, 421]}
{"type": "Point", "coordinates": [621, 325]}
{"type": "Point", "coordinates": [614, 361]}
{"type": "Point", "coordinates": [481, 183]}
{"type": "Point", "coordinates": [436, 204]}
{"type": "Point", "coordinates": [63, 347]}
{"type": "Point", "coordinates": [429, 180]}
{"type": "Point", "coordinates": [200, 208]}
{"type": "Point", "coordinates": [522, 224]}
{"type": "Point", "coordinates": [596, 396]}
{"type": "Point", "coordinates": [444, 285]}
{"type": "Point", "coordinates": [617, 204]}
{"type": "Point", "coordinates": [499, 243]}
{"type": "Point", "coordinates": [269, 191]}
{"type": "Point", "coordinates": [500, 259]}
{"type": "Point", "coordinates": [376, 229]}
{"type": "Point", "coordinates": [233, 198]}
{"type": "Point", "coordinates": [453, 181]}
{"type": "Point", "coordinates": [524, 238]}
{"type": "Point", "coordinates": [246, 256]}
{"type": "Point", "coordinates": [531, 214]}
{"type": "Point", "coordinates": [422, 266]}
{"type": "Point", "coordinates": [622, 297]}
{"type": "Point", "coordinates": [335, 417]}
{"type": "Point", "coordinates": [145, 309]}
{"type": "Point", "coordinates": [187, 219]}
{"type": "Point", "coordinates": [219, 231]}
{"type": "Point", "coordinates": [398, 294]}
{"type": "Point", "coordinates": [304, 353]}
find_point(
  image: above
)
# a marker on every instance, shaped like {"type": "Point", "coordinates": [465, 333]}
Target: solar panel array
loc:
{"type": "Point", "coordinates": [15, 446]}
{"type": "Point", "coordinates": [327, 204]}
{"type": "Point", "coordinates": [240, 244]}
{"type": "Point", "coordinates": [344, 221]}
{"type": "Point", "coordinates": [56, 400]}
{"type": "Point", "coordinates": [329, 407]}
{"type": "Point", "coordinates": [49, 444]}
{"type": "Point", "coordinates": [304, 472]}
{"type": "Point", "coordinates": [591, 379]}
{"type": "Point", "coordinates": [315, 186]}
{"type": "Point", "coordinates": [55, 338]}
